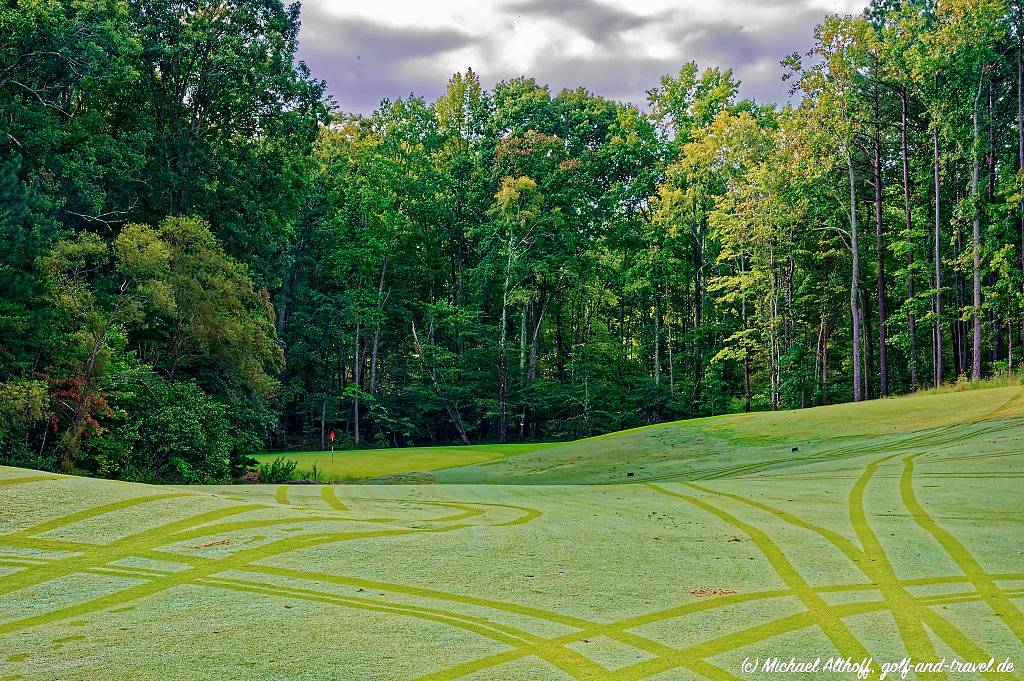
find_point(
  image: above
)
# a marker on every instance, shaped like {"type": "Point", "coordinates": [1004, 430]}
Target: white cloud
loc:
{"type": "Point", "coordinates": [389, 48]}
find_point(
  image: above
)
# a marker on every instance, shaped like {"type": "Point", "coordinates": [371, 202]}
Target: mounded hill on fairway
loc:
{"type": "Point", "coordinates": [895, 529]}
{"type": "Point", "coordinates": [724, 446]}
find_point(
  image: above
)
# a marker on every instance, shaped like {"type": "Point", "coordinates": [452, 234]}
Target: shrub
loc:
{"type": "Point", "coordinates": [280, 470]}
{"type": "Point", "coordinates": [167, 432]}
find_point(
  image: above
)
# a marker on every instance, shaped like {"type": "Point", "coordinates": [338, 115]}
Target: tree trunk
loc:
{"type": "Point", "coordinates": [866, 333]}
{"type": "Point", "coordinates": [623, 349]}
{"type": "Point", "coordinates": [817, 359]}
{"type": "Point", "coordinates": [858, 394]}
{"type": "Point", "coordinates": [523, 380]}
{"type": "Point", "coordinates": [503, 364]}
{"type": "Point", "coordinates": [657, 340]}
{"type": "Point", "coordinates": [531, 366]}
{"type": "Point", "coordinates": [1009, 348]}
{"type": "Point", "coordinates": [381, 298]}
{"type": "Point", "coordinates": [1020, 135]}
{"type": "Point", "coordinates": [560, 351]}
{"type": "Point", "coordinates": [746, 348]}
{"type": "Point", "coordinates": [323, 423]}
{"type": "Point", "coordinates": [883, 348]}
{"type": "Point", "coordinates": [522, 344]}
{"type": "Point", "coordinates": [531, 373]}
{"type": "Point", "coordinates": [668, 343]}
{"type": "Point", "coordinates": [357, 368]}
{"type": "Point", "coordinates": [990, 152]}
{"type": "Point", "coordinates": [960, 327]}
{"type": "Point", "coordinates": [976, 246]}
{"type": "Point", "coordinates": [698, 310]}
{"type": "Point", "coordinates": [909, 226]}
{"type": "Point", "coordinates": [373, 361]}
{"type": "Point", "coordinates": [288, 289]}
{"type": "Point", "coordinates": [824, 365]}
{"type": "Point", "coordinates": [773, 332]}
{"type": "Point", "coordinates": [938, 257]}
{"type": "Point", "coordinates": [453, 411]}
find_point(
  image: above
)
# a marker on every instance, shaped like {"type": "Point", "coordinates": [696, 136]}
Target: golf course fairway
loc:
{"type": "Point", "coordinates": [361, 464]}
{"type": "Point", "coordinates": [888, 529]}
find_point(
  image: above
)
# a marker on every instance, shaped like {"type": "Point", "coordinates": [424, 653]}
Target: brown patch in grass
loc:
{"type": "Point", "coordinates": [707, 591]}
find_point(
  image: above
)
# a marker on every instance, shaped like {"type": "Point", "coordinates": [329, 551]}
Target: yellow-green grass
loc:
{"type": "Point", "coordinates": [721, 445]}
{"type": "Point", "coordinates": [895, 530]}
{"type": "Point", "coordinates": [362, 464]}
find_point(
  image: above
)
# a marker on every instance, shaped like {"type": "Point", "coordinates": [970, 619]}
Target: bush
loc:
{"type": "Point", "coordinates": [186, 435]}
{"type": "Point", "coordinates": [281, 470]}
{"type": "Point", "coordinates": [163, 432]}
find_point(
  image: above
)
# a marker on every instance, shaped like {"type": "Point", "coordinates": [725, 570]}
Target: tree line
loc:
{"type": "Point", "coordinates": [205, 256]}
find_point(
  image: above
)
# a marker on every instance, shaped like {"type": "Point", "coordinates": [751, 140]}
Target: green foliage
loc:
{"type": "Point", "coordinates": [277, 471]}
{"type": "Point", "coordinates": [202, 259]}
{"type": "Point", "coordinates": [183, 435]}
{"type": "Point", "coordinates": [198, 309]}
{"type": "Point", "coordinates": [24, 406]}
{"type": "Point", "coordinates": [160, 431]}
{"type": "Point", "coordinates": [129, 112]}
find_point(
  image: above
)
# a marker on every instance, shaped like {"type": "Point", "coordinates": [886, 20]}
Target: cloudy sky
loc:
{"type": "Point", "coordinates": [615, 48]}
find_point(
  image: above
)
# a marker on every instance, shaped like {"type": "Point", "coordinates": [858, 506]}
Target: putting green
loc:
{"type": "Point", "coordinates": [896, 529]}
{"type": "Point", "coordinates": [363, 464]}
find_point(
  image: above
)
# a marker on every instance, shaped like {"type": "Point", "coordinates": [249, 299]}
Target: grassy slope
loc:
{"type": "Point", "coordinates": [723, 445]}
{"type": "Point", "coordinates": [364, 464]}
{"type": "Point", "coordinates": [895, 528]}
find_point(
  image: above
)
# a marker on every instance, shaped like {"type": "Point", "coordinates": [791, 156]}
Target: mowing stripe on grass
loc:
{"type": "Point", "coordinates": [832, 626]}
{"type": "Point", "coordinates": [692, 657]}
{"type": "Point", "coordinates": [206, 530]}
{"type": "Point", "coordinates": [27, 478]}
{"type": "Point", "coordinates": [740, 639]}
{"type": "Point", "coordinates": [515, 608]}
{"type": "Point", "coordinates": [297, 546]}
{"type": "Point", "coordinates": [103, 554]}
{"type": "Point", "coordinates": [467, 511]}
{"type": "Point", "coordinates": [912, 631]}
{"type": "Point", "coordinates": [902, 603]}
{"type": "Point", "coordinates": [224, 528]}
{"type": "Point", "coordinates": [90, 513]}
{"type": "Point", "coordinates": [527, 514]}
{"type": "Point", "coordinates": [982, 581]}
{"type": "Point", "coordinates": [233, 561]}
{"type": "Point", "coordinates": [566, 659]}
{"type": "Point", "coordinates": [586, 627]}
{"type": "Point", "coordinates": [574, 636]}
{"type": "Point", "coordinates": [328, 495]}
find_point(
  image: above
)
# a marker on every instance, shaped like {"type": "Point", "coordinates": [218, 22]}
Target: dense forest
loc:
{"type": "Point", "coordinates": [204, 255]}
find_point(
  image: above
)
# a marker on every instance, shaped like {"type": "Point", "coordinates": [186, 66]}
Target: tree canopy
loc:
{"type": "Point", "coordinates": [205, 256]}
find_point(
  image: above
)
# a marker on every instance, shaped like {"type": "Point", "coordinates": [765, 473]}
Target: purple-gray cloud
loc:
{"type": "Point", "coordinates": [365, 58]}
{"type": "Point", "coordinates": [598, 22]}
{"type": "Point", "coordinates": [364, 62]}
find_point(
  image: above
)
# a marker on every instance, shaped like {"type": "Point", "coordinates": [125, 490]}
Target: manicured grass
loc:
{"type": "Point", "coordinates": [719, 447]}
{"type": "Point", "coordinates": [894, 530]}
{"type": "Point", "coordinates": [361, 464]}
